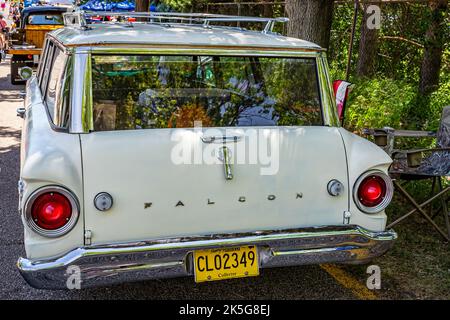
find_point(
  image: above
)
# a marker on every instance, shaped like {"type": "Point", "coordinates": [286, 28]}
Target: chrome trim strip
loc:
{"type": "Point", "coordinates": [77, 92]}
{"type": "Point", "coordinates": [81, 95]}
{"type": "Point", "coordinates": [183, 50]}
{"type": "Point", "coordinates": [125, 262]}
{"type": "Point", "coordinates": [87, 113]}
{"type": "Point", "coordinates": [306, 251]}
{"type": "Point", "coordinates": [333, 114]}
{"type": "Point", "coordinates": [329, 110]}
{"type": "Point", "coordinates": [221, 139]}
{"type": "Point", "coordinates": [64, 99]}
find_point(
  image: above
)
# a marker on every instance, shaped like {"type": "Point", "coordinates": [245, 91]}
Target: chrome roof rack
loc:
{"type": "Point", "coordinates": [81, 19]}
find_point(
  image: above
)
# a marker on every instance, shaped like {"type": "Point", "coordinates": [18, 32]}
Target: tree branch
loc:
{"type": "Point", "coordinates": [417, 44]}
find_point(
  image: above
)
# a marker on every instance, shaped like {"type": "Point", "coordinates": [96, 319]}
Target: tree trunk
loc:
{"type": "Point", "coordinates": [310, 20]}
{"type": "Point", "coordinates": [267, 10]}
{"type": "Point", "coordinates": [368, 45]}
{"type": "Point", "coordinates": [434, 43]}
{"type": "Point", "coordinates": [142, 5]}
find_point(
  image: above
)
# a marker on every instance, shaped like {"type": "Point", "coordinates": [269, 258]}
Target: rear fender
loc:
{"type": "Point", "coordinates": [363, 155]}
{"type": "Point", "coordinates": [48, 158]}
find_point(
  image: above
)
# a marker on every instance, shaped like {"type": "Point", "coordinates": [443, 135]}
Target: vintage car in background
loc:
{"type": "Point", "coordinates": [26, 41]}
{"type": "Point", "coordinates": [112, 189]}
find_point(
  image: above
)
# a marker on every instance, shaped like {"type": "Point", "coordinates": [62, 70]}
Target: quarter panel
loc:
{"type": "Point", "coordinates": [48, 157]}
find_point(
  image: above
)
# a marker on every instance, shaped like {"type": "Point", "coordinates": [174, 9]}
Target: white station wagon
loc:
{"type": "Point", "coordinates": [182, 146]}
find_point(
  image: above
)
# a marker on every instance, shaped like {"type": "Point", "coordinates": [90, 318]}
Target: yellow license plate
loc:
{"type": "Point", "coordinates": [225, 263]}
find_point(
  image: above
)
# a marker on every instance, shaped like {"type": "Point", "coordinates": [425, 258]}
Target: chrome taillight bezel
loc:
{"type": "Point", "coordinates": [57, 232]}
{"type": "Point", "coordinates": [387, 197]}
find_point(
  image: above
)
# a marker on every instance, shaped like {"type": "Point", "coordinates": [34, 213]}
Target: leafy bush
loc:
{"type": "Point", "coordinates": [380, 102]}
{"type": "Point", "coordinates": [375, 103]}
{"type": "Point", "coordinates": [438, 100]}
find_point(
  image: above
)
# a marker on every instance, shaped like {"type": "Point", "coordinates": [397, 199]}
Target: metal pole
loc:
{"type": "Point", "coordinates": [239, 12]}
{"type": "Point", "coordinates": [352, 39]}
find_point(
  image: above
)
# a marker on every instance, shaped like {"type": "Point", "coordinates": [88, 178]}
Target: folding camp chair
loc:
{"type": "Point", "coordinates": [420, 164]}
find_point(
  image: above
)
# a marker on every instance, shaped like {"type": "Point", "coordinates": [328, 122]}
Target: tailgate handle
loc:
{"type": "Point", "coordinates": [221, 139]}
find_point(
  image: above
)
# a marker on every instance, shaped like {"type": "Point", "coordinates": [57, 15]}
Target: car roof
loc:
{"type": "Point", "coordinates": [29, 10]}
{"type": "Point", "coordinates": [176, 35]}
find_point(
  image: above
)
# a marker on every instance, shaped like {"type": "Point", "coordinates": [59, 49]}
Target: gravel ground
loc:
{"type": "Point", "coordinates": [307, 282]}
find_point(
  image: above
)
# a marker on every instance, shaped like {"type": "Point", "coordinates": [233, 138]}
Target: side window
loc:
{"type": "Point", "coordinates": [46, 67]}
{"type": "Point", "coordinates": [54, 82]}
{"type": "Point", "coordinates": [41, 61]}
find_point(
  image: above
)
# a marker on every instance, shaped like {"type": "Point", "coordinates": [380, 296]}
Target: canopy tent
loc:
{"type": "Point", "coordinates": [28, 3]}
{"type": "Point", "coordinates": [97, 5]}
{"type": "Point", "coordinates": [56, 2]}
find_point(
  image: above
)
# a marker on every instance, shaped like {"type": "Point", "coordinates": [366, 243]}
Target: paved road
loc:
{"type": "Point", "coordinates": [306, 282]}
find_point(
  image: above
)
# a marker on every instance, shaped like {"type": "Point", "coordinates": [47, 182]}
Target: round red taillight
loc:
{"type": "Point", "coordinates": [372, 191]}
{"type": "Point", "coordinates": [51, 211]}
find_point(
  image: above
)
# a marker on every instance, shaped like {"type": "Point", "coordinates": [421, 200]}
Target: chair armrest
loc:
{"type": "Point", "coordinates": [376, 132]}
{"type": "Point", "coordinates": [414, 158]}
{"type": "Point", "coordinates": [399, 133]}
{"type": "Point", "coordinates": [384, 138]}
{"type": "Point", "coordinates": [420, 150]}
{"type": "Point", "coordinates": [414, 134]}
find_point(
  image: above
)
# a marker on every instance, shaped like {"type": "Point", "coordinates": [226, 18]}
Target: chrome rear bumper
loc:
{"type": "Point", "coordinates": [116, 263]}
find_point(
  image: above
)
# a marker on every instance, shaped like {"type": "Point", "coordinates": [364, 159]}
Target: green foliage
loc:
{"type": "Point", "coordinates": [438, 100]}
{"type": "Point", "coordinates": [340, 37]}
{"type": "Point", "coordinates": [177, 5]}
{"type": "Point", "coordinates": [383, 102]}
{"type": "Point", "coordinates": [402, 36]}
{"type": "Point", "coordinates": [391, 98]}
{"type": "Point", "coordinates": [379, 102]}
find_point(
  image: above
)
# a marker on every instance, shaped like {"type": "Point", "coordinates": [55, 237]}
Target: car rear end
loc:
{"type": "Point", "coordinates": [206, 163]}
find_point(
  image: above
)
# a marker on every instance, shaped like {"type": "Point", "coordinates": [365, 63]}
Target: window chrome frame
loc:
{"type": "Point", "coordinates": [64, 96]}
{"type": "Point", "coordinates": [81, 94]}
{"type": "Point", "coordinates": [329, 109]}
{"type": "Point", "coordinates": [42, 58]}
{"type": "Point", "coordinates": [81, 111]}
{"type": "Point", "coordinates": [60, 82]}
{"type": "Point", "coordinates": [64, 80]}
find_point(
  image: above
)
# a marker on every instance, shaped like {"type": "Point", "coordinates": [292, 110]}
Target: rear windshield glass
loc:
{"type": "Point", "coordinates": [41, 19]}
{"type": "Point", "coordinates": [144, 92]}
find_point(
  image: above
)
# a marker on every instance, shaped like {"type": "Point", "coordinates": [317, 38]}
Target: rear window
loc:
{"type": "Point", "coordinates": [42, 19]}
{"type": "Point", "coordinates": [145, 92]}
